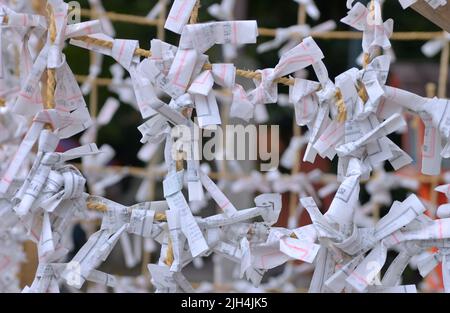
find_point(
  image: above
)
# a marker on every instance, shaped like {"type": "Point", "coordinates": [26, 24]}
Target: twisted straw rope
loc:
{"type": "Point", "coordinates": [366, 59]}
{"type": "Point", "coordinates": [103, 208]}
{"type": "Point", "coordinates": [362, 92]}
{"type": "Point", "coordinates": [119, 17]}
{"type": "Point", "coordinates": [194, 15]}
{"type": "Point", "coordinates": [147, 53]}
{"type": "Point", "coordinates": [366, 56]}
{"type": "Point", "coordinates": [243, 73]}
{"type": "Point", "coordinates": [51, 73]}
{"type": "Point", "coordinates": [51, 79]}
{"type": "Point", "coordinates": [342, 109]}
{"type": "Point", "coordinates": [271, 32]}
{"type": "Point", "coordinates": [169, 255]}
{"type": "Point", "coordinates": [340, 34]}
{"type": "Point", "coordinates": [160, 217]}
{"type": "Point", "coordinates": [51, 86]}
{"type": "Point", "coordinates": [96, 206]}
{"type": "Point", "coordinates": [239, 72]}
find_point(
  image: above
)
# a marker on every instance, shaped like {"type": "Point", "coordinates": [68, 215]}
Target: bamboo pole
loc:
{"type": "Point", "coordinates": [93, 96]}
{"type": "Point", "coordinates": [157, 173]}
{"type": "Point", "coordinates": [146, 255]}
{"type": "Point", "coordinates": [443, 71]}
{"type": "Point", "coordinates": [439, 16]}
{"type": "Point", "coordinates": [296, 131]}
{"type": "Point", "coordinates": [29, 266]}
{"type": "Point", "coordinates": [93, 101]}
{"type": "Point", "coordinates": [270, 32]}
{"type": "Point", "coordinates": [332, 35]}
{"type": "Point", "coordinates": [162, 20]}
{"type": "Point", "coordinates": [119, 17]}
{"type": "Point", "coordinates": [431, 92]}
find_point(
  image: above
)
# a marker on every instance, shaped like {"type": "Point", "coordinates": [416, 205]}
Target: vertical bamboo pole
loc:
{"type": "Point", "coordinates": [431, 92]}
{"type": "Point", "coordinates": [218, 270]}
{"type": "Point", "coordinates": [93, 96]}
{"type": "Point", "coordinates": [162, 19]}
{"type": "Point", "coordinates": [93, 102]}
{"type": "Point", "coordinates": [296, 131]}
{"type": "Point", "coordinates": [180, 162]}
{"type": "Point", "coordinates": [93, 99]}
{"type": "Point", "coordinates": [29, 266]}
{"type": "Point", "coordinates": [433, 281]}
{"type": "Point", "coordinates": [301, 14]}
{"type": "Point", "coordinates": [443, 71]}
{"type": "Point", "coordinates": [376, 213]}
{"type": "Point", "coordinates": [146, 255]}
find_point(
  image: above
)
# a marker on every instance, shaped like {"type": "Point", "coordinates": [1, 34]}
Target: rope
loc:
{"type": "Point", "coordinates": [109, 44]}
{"type": "Point", "coordinates": [194, 15]}
{"type": "Point", "coordinates": [96, 206]}
{"type": "Point", "coordinates": [52, 24]}
{"type": "Point", "coordinates": [160, 217]}
{"type": "Point", "coordinates": [147, 53]}
{"type": "Point", "coordinates": [366, 59]}
{"type": "Point", "coordinates": [51, 85]}
{"type": "Point", "coordinates": [372, 8]}
{"type": "Point", "coordinates": [342, 110]}
{"type": "Point", "coordinates": [338, 34]}
{"type": "Point", "coordinates": [51, 77]}
{"type": "Point", "coordinates": [119, 17]}
{"type": "Point", "coordinates": [271, 32]}
{"type": "Point", "coordinates": [38, 6]}
{"type": "Point", "coordinates": [169, 256]}
{"type": "Point", "coordinates": [366, 56]}
{"type": "Point", "coordinates": [362, 92]}
{"type": "Point", "coordinates": [103, 208]}
{"type": "Point", "coordinates": [51, 73]}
